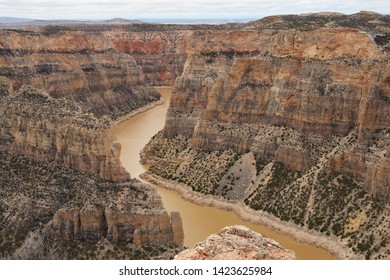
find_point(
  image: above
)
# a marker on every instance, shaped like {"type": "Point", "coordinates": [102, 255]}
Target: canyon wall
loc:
{"type": "Point", "coordinates": [61, 177]}
{"type": "Point", "coordinates": [240, 89]}
{"type": "Point", "coordinates": [160, 54]}
{"type": "Point", "coordinates": [80, 66]}
{"type": "Point", "coordinates": [59, 95]}
{"type": "Point", "coordinates": [158, 49]}
{"type": "Point", "coordinates": [53, 130]}
{"type": "Point", "coordinates": [289, 115]}
{"type": "Point", "coordinates": [75, 212]}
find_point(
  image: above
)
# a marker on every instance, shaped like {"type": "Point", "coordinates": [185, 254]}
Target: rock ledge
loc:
{"type": "Point", "coordinates": [236, 243]}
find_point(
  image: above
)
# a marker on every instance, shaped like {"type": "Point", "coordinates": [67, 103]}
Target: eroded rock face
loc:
{"type": "Point", "coordinates": [236, 243]}
{"type": "Point", "coordinates": [59, 94]}
{"type": "Point", "coordinates": [139, 220]}
{"type": "Point", "coordinates": [69, 207]}
{"type": "Point", "coordinates": [48, 129]}
{"type": "Point", "coordinates": [303, 84]}
{"type": "Point", "coordinates": [302, 104]}
{"type": "Point", "coordinates": [79, 66]}
{"type": "Point", "coordinates": [160, 54]}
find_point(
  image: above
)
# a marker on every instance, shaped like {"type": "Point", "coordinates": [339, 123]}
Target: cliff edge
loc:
{"type": "Point", "coordinates": [236, 243]}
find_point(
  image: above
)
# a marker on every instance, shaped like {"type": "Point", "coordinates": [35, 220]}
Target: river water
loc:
{"type": "Point", "coordinates": [198, 221]}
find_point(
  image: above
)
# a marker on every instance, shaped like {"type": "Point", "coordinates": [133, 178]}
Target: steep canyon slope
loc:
{"type": "Point", "coordinates": [61, 178]}
{"type": "Point", "coordinates": [59, 95]}
{"type": "Point", "coordinates": [289, 115]}
{"type": "Point", "coordinates": [158, 49]}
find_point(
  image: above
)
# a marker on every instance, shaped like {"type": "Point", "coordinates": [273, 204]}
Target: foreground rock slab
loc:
{"type": "Point", "coordinates": [236, 243]}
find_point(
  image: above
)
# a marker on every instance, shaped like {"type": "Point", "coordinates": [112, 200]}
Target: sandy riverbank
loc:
{"type": "Point", "coordinates": [330, 244]}
{"type": "Point", "coordinates": [139, 110]}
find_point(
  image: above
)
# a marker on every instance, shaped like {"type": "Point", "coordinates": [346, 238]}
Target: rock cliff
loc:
{"type": "Point", "coordinates": [59, 94]}
{"type": "Point", "coordinates": [236, 243]}
{"type": "Point", "coordinates": [289, 115]}
{"type": "Point", "coordinates": [80, 215]}
{"type": "Point", "coordinates": [48, 129]}
{"type": "Point", "coordinates": [138, 218]}
{"type": "Point", "coordinates": [160, 54]}
{"type": "Point", "coordinates": [80, 66]}
{"type": "Point", "coordinates": [158, 49]}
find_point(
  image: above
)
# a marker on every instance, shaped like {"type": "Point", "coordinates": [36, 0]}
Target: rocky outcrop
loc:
{"type": "Point", "coordinates": [236, 243]}
{"type": "Point", "coordinates": [48, 129]}
{"type": "Point", "coordinates": [60, 95]}
{"type": "Point", "coordinates": [119, 219]}
{"type": "Point", "coordinates": [177, 228]}
{"type": "Point", "coordinates": [73, 210]}
{"type": "Point", "coordinates": [78, 66]}
{"type": "Point", "coordinates": [160, 54]}
{"type": "Point", "coordinates": [245, 89]}
{"type": "Point", "coordinates": [158, 49]}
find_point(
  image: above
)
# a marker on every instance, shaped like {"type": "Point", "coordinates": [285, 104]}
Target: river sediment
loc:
{"type": "Point", "coordinates": [133, 135]}
{"type": "Point", "coordinates": [309, 237]}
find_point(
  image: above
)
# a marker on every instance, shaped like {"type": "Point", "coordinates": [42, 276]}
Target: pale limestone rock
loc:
{"type": "Point", "coordinates": [236, 243]}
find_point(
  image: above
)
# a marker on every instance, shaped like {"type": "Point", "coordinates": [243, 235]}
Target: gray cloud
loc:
{"type": "Point", "coordinates": [169, 9]}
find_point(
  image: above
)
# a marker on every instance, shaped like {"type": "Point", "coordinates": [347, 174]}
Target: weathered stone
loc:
{"type": "Point", "coordinates": [309, 97]}
{"type": "Point", "coordinates": [62, 91]}
{"type": "Point", "coordinates": [160, 54]}
{"type": "Point", "coordinates": [236, 84]}
{"type": "Point", "coordinates": [236, 243]}
{"type": "Point", "coordinates": [119, 220]}
{"type": "Point", "coordinates": [177, 228]}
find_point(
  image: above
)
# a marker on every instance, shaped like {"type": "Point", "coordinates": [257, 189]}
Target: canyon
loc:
{"type": "Point", "coordinates": [287, 115]}
{"type": "Point", "coordinates": [62, 181]}
{"type": "Point", "coordinates": [290, 116]}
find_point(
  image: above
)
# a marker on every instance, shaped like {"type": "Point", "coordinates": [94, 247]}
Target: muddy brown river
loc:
{"type": "Point", "coordinates": [198, 221]}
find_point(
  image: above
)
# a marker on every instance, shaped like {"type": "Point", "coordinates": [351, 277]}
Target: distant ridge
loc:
{"type": "Point", "coordinates": [14, 19]}
{"type": "Point", "coordinates": [9, 22]}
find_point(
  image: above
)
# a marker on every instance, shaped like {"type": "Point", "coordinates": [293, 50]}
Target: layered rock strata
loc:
{"type": "Point", "coordinates": [160, 54]}
{"type": "Point", "coordinates": [308, 86]}
{"type": "Point", "coordinates": [236, 243]}
{"type": "Point", "coordinates": [59, 94]}
{"type": "Point", "coordinates": [72, 209]}
{"type": "Point", "coordinates": [159, 49]}
{"type": "Point", "coordinates": [123, 219]}
{"type": "Point", "coordinates": [293, 121]}
{"type": "Point", "coordinates": [80, 66]}
{"type": "Point", "coordinates": [48, 129]}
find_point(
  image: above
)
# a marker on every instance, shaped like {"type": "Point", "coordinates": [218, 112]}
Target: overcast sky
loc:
{"type": "Point", "coordinates": [179, 9]}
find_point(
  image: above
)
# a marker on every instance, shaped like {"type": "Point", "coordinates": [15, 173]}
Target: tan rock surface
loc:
{"type": "Point", "coordinates": [299, 87]}
{"type": "Point", "coordinates": [59, 94]}
{"type": "Point", "coordinates": [160, 54]}
{"type": "Point", "coordinates": [309, 97]}
{"type": "Point", "coordinates": [236, 243]}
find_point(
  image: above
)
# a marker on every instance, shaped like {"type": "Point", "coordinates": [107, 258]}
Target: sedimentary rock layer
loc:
{"type": "Point", "coordinates": [59, 93]}
{"type": "Point", "coordinates": [48, 129]}
{"type": "Point", "coordinates": [289, 115]}
{"type": "Point", "coordinates": [78, 66]}
{"type": "Point", "coordinates": [314, 84]}
{"type": "Point", "coordinates": [69, 206]}
{"type": "Point", "coordinates": [160, 54]}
